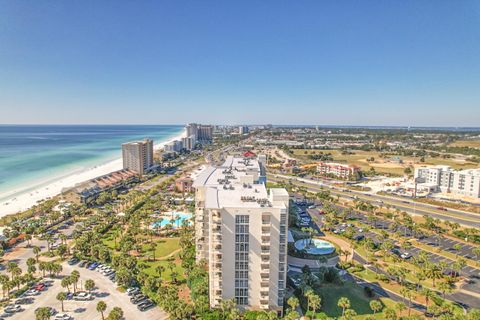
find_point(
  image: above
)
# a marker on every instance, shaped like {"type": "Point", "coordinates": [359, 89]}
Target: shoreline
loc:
{"type": "Point", "coordinates": [47, 189]}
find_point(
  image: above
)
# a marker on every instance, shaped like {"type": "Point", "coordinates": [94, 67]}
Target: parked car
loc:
{"type": "Point", "coordinates": [145, 305]}
{"type": "Point", "coordinates": [73, 261]}
{"type": "Point", "coordinates": [63, 316]}
{"type": "Point", "coordinates": [406, 255]}
{"type": "Point", "coordinates": [137, 299]}
{"type": "Point", "coordinates": [83, 264]}
{"type": "Point", "coordinates": [32, 292]}
{"type": "Point", "coordinates": [82, 296]}
{"type": "Point", "coordinates": [131, 291]}
{"type": "Point", "coordinates": [13, 308]}
{"type": "Point", "coordinates": [92, 266]}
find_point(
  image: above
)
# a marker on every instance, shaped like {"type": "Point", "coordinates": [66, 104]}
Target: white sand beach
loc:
{"type": "Point", "coordinates": [23, 201]}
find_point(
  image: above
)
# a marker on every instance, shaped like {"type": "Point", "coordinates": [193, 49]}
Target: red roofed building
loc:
{"type": "Point", "coordinates": [337, 169]}
{"type": "Point", "coordinates": [249, 154]}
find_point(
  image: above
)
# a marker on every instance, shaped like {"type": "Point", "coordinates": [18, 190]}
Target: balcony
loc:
{"type": "Point", "coordinates": [265, 267]}
{"type": "Point", "coordinates": [265, 230]}
{"type": "Point", "coordinates": [265, 239]}
{"type": "Point", "coordinates": [264, 284]}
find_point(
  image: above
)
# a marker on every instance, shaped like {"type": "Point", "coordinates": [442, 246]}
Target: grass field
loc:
{"type": "Point", "coordinates": [466, 143]}
{"type": "Point", "coordinates": [165, 246]}
{"type": "Point", "coordinates": [330, 295]}
{"type": "Point", "coordinates": [381, 165]}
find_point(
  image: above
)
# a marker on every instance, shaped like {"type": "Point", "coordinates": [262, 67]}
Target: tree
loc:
{"type": "Point", "coordinates": [36, 251]}
{"type": "Point", "coordinates": [390, 314]}
{"type": "Point", "coordinates": [61, 296]}
{"type": "Point", "coordinates": [293, 303]}
{"type": "Point", "coordinates": [343, 303]}
{"type": "Point", "coordinates": [66, 283]}
{"type": "Point", "coordinates": [376, 306]}
{"type": "Point", "coordinates": [457, 247]}
{"type": "Point", "coordinates": [89, 285]}
{"type": "Point", "coordinates": [476, 252]}
{"type": "Point", "coordinates": [115, 314]}
{"type": "Point", "coordinates": [445, 288]}
{"type": "Point", "coordinates": [75, 276]}
{"type": "Point", "coordinates": [42, 313]}
{"type": "Point", "coordinates": [101, 307]}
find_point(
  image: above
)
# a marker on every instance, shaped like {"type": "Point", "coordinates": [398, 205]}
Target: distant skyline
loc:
{"type": "Point", "coordinates": [402, 63]}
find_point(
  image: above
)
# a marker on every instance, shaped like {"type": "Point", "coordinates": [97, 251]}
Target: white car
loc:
{"type": "Point", "coordinates": [83, 296]}
{"type": "Point", "coordinates": [32, 292]}
{"type": "Point", "coordinates": [132, 290]}
{"type": "Point", "coordinates": [405, 255]}
{"type": "Point", "coordinates": [13, 308]}
{"type": "Point", "coordinates": [63, 316]}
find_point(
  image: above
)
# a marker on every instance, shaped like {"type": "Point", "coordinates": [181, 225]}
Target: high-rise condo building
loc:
{"type": "Point", "coordinates": [138, 155]}
{"type": "Point", "coordinates": [241, 233]}
{"type": "Point", "coordinates": [202, 133]}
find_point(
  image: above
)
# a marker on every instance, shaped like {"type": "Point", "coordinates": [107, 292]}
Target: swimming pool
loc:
{"type": "Point", "coordinates": [179, 217]}
{"type": "Point", "coordinates": [315, 246]}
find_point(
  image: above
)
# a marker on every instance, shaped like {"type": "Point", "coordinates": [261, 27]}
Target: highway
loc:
{"type": "Point", "coordinates": [466, 219]}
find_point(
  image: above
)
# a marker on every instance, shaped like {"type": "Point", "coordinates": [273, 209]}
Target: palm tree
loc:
{"type": "Point", "coordinates": [61, 296]}
{"type": "Point", "coordinates": [75, 276]}
{"type": "Point", "coordinates": [428, 294]}
{"type": "Point", "coordinates": [376, 306]}
{"type": "Point", "coordinates": [101, 307]}
{"type": "Point", "coordinates": [343, 303]}
{"type": "Point", "coordinates": [293, 303]}
{"type": "Point", "coordinates": [159, 269]}
{"type": "Point", "coordinates": [445, 288]}
{"type": "Point", "coordinates": [89, 285]}
{"type": "Point", "coordinates": [42, 313]}
{"type": "Point", "coordinates": [36, 251]}
{"type": "Point", "coordinates": [476, 252]}
{"type": "Point", "coordinates": [66, 283]}
{"type": "Point", "coordinates": [457, 247]}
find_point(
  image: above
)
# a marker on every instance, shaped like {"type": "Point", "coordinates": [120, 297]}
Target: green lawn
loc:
{"type": "Point", "coordinates": [165, 246]}
{"type": "Point", "coordinates": [151, 266]}
{"type": "Point", "coordinates": [330, 295]}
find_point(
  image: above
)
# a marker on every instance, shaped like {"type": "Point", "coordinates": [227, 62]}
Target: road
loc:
{"type": "Point", "coordinates": [470, 288]}
{"type": "Point", "coordinates": [471, 220]}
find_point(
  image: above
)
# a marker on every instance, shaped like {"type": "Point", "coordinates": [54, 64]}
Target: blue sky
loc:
{"type": "Point", "coordinates": [281, 62]}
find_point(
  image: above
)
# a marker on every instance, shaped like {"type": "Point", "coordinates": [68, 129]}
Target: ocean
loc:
{"type": "Point", "coordinates": [32, 155]}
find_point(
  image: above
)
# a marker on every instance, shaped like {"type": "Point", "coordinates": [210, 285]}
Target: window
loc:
{"type": "Point", "coordinates": [241, 259]}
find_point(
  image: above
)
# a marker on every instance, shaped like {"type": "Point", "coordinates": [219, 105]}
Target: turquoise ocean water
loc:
{"type": "Point", "coordinates": [34, 154]}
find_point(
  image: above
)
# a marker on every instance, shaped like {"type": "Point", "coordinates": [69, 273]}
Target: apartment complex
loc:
{"type": "Point", "coordinates": [241, 232]}
{"type": "Point", "coordinates": [337, 169]}
{"type": "Point", "coordinates": [243, 130]}
{"type": "Point", "coordinates": [445, 179]}
{"type": "Point", "coordinates": [200, 132]}
{"type": "Point", "coordinates": [138, 155]}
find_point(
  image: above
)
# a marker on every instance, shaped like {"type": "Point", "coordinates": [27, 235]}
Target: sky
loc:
{"type": "Point", "coordinates": [410, 62]}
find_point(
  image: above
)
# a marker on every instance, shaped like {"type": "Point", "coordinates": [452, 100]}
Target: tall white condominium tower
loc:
{"type": "Point", "coordinates": [241, 232]}
{"type": "Point", "coordinates": [201, 132]}
{"type": "Point", "coordinates": [138, 155]}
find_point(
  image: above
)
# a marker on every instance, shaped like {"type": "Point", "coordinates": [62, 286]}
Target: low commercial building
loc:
{"type": "Point", "coordinates": [338, 170]}
{"type": "Point", "coordinates": [241, 232]}
{"type": "Point", "coordinates": [446, 180]}
{"type": "Point", "coordinates": [184, 184]}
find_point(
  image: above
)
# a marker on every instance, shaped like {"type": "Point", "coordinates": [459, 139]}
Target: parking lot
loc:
{"type": "Point", "coordinates": [105, 290]}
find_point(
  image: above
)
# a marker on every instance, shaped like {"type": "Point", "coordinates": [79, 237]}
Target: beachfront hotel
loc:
{"type": "Point", "coordinates": [138, 155]}
{"type": "Point", "coordinates": [200, 132]}
{"type": "Point", "coordinates": [241, 233]}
